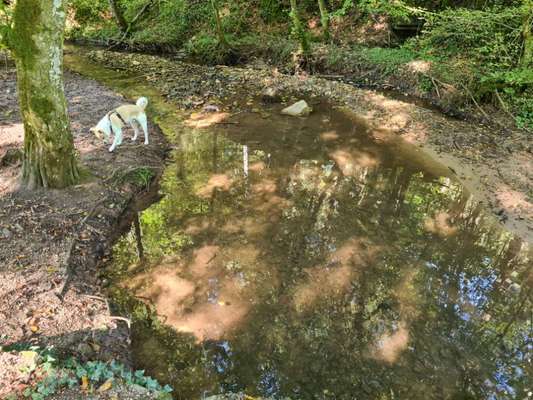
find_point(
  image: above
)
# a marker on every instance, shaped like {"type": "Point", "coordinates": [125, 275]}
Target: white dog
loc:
{"type": "Point", "coordinates": [115, 120]}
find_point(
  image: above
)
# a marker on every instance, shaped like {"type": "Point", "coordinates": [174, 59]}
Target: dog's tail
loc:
{"type": "Point", "coordinates": [142, 102]}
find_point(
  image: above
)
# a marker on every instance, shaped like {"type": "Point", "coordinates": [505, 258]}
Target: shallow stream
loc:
{"type": "Point", "coordinates": [317, 258]}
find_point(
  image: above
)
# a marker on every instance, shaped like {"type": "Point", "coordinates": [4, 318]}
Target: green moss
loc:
{"type": "Point", "coordinates": [41, 105]}
{"type": "Point", "coordinates": [26, 17]}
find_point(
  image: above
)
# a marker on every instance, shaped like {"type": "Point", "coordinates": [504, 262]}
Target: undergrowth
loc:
{"type": "Point", "coordinates": [477, 51]}
{"type": "Point", "coordinates": [50, 375]}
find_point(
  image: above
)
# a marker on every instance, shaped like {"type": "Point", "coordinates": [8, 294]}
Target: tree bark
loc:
{"type": "Point", "coordinates": [119, 16]}
{"type": "Point", "coordinates": [298, 29]}
{"type": "Point", "coordinates": [324, 18]}
{"type": "Point", "coordinates": [37, 46]}
{"type": "Point", "coordinates": [138, 236]}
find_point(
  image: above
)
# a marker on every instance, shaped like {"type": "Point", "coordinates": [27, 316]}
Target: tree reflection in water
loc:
{"type": "Point", "coordinates": [316, 263]}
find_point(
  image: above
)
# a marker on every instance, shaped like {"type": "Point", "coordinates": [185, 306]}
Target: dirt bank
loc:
{"type": "Point", "coordinates": [52, 241]}
{"type": "Point", "coordinates": [495, 165]}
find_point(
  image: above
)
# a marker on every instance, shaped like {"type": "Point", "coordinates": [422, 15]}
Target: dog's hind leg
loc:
{"type": "Point", "coordinates": [144, 124]}
{"type": "Point", "coordinates": [135, 129]}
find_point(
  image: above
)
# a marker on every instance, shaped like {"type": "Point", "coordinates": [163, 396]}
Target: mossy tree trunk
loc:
{"type": "Point", "coordinates": [527, 55]}
{"type": "Point", "coordinates": [220, 31]}
{"type": "Point", "coordinates": [119, 16]}
{"type": "Point", "coordinates": [37, 45]}
{"type": "Point", "coordinates": [298, 29]}
{"type": "Point", "coordinates": [324, 18]}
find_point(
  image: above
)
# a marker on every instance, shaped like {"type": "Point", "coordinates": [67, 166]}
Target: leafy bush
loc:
{"type": "Point", "coordinates": [523, 106]}
{"type": "Point", "coordinates": [88, 11]}
{"type": "Point", "coordinates": [272, 11]}
{"type": "Point", "coordinates": [206, 49]}
{"type": "Point", "coordinates": [167, 22]}
{"type": "Point", "coordinates": [389, 59]}
{"type": "Point", "coordinates": [490, 37]}
{"type": "Point", "coordinates": [480, 51]}
{"type": "Point", "coordinates": [53, 375]}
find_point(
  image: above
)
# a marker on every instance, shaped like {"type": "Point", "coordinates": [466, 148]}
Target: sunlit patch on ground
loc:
{"type": "Point", "coordinates": [513, 200]}
{"type": "Point", "coordinates": [419, 66]}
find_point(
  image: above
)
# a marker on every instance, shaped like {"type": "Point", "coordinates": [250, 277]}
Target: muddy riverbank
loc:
{"type": "Point", "coordinates": [51, 242]}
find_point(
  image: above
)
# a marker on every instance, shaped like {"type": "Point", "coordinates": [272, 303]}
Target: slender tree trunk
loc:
{"type": "Point", "coordinates": [220, 31]}
{"type": "Point", "coordinates": [119, 16]}
{"type": "Point", "coordinates": [298, 29]}
{"type": "Point", "coordinates": [324, 18]}
{"type": "Point", "coordinates": [37, 45]}
{"type": "Point", "coordinates": [527, 56]}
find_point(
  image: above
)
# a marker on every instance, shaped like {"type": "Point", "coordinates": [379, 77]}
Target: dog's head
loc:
{"type": "Point", "coordinates": [100, 133]}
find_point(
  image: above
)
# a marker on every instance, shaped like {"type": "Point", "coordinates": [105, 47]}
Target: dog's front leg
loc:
{"type": "Point", "coordinates": [117, 139]}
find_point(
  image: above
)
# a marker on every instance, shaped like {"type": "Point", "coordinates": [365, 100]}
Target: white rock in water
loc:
{"type": "Point", "coordinates": [298, 109]}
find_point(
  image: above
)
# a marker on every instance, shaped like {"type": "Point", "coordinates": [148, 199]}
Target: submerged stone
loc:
{"type": "Point", "coordinates": [298, 109]}
{"type": "Point", "coordinates": [270, 95]}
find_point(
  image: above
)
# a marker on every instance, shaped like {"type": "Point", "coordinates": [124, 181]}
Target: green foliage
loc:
{"type": "Point", "coordinates": [207, 49]}
{"type": "Point", "coordinates": [398, 11]}
{"type": "Point", "coordinates": [389, 59]}
{"type": "Point", "coordinates": [141, 176]}
{"type": "Point", "coordinates": [491, 36]}
{"type": "Point", "coordinates": [480, 50]}
{"type": "Point", "coordinates": [474, 45]}
{"type": "Point", "coordinates": [168, 22]}
{"type": "Point", "coordinates": [54, 374]}
{"type": "Point", "coordinates": [88, 11]}
{"type": "Point", "coordinates": [346, 6]}
{"type": "Point", "coordinates": [5, 24]}
{"type": "Point", "coordinates": [272, 11]}
{"type": "Point", "coordinates": [522, 104]}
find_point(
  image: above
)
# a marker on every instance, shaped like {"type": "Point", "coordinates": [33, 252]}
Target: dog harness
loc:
{"type": "Point", "coordinates": [119, 117]}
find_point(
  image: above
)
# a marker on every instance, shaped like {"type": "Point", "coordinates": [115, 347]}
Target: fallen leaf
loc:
{"type": "Point", "coordinates": [106, 386]}
{"type": "Point", "coordinates": [84, 383]}
{"type": "Point", "coordinates": [34, 328]}
{"type": "Point", "coordinates": [29, 355]}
